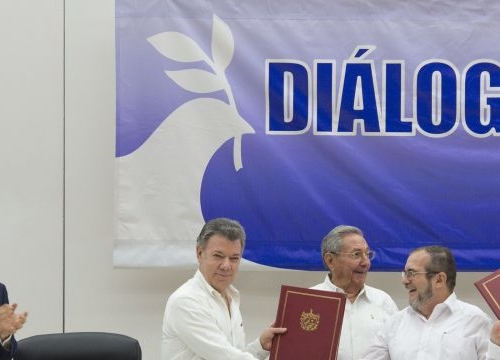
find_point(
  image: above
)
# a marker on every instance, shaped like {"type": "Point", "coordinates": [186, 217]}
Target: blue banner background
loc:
{"type": "Point", "coordinates": [402, 191]}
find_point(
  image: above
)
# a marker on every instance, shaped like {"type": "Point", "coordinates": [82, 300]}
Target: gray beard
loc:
{"type": "Point", "coordinates": [422, 299]}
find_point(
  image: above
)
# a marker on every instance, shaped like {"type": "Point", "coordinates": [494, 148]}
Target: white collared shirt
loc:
{"type": "Point", "coordinates": [197, 325]}
{"type": "Point", "coordinates": [362, 318]}
{"type": "Point", "coordinates": [455, 330]}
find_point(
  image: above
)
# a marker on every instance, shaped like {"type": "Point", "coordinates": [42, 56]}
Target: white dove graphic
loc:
{"type": "Point", "coordinates": [159, 184]}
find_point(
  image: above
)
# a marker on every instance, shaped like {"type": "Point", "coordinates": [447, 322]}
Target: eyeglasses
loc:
{"type": "Point", "coordinates": [410, 274]}
{"type": "Point", "coordinates": [357, 255]}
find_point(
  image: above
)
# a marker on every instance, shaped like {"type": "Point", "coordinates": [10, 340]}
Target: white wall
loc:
{"type": "Point", "coordinates": [31, 158]}
{"type": "Point", "coordinates": [57, 114]}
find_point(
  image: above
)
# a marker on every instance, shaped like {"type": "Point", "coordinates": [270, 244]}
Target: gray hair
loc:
{"type": "Point", "coordinates": [230, 229]}
{"type": "Point", "coordinates": [332, 242]}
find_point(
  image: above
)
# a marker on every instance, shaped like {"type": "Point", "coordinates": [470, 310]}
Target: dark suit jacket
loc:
{"type": "Point", "coordinates": [6, 355]}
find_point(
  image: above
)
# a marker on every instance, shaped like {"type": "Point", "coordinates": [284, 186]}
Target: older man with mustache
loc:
{"type": "Point", "coordinates": [347, 256]}
{"type": "Point", "coordinates": [436, 325]}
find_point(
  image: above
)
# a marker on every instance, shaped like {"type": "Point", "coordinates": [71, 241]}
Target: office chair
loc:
{"type": "Point", "coordinates": [79, 346]}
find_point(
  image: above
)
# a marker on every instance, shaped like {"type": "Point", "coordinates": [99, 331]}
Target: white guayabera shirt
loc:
{"type": "Point", "coordinates": [197, 325]}
{"type": "Point", "coordinates": [455, 330]}
{"type": "Point", "coordinates": [362, 318]}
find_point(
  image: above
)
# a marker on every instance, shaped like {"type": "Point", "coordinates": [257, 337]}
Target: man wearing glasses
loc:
{"type": "Point", "coordinates": [348, 258]}
{"type": "Point", "coordinates": [436, 325]}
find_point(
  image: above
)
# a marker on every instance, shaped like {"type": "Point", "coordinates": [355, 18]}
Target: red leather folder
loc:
{"type": "Point", "coordinates": [314, 321]}
{"type": "Point", "coordinates": [489, 287]}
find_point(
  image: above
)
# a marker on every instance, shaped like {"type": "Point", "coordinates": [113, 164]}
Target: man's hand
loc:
{"type": "Point", "coordinates": [495, 333]}
{"type": "Point", "coordinates": [10, 322]}
{"type": "Point", "coordinates": [266, 338]}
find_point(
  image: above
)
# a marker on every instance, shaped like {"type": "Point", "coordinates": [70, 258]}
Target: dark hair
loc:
{"type": "Point", "coordinates": [442, 260]}
{"type": "Point", "coordinates": [230, 229]}
{"type": "Point", "coordinates": [332, 242]}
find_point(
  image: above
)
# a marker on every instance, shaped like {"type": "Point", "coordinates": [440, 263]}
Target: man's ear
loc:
{"type": "Point", "coordinates": [441, 279]}
{"type": "Point", "coordinates": [329, 259]}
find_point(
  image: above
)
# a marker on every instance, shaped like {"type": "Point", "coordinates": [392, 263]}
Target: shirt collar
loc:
{"type": "Point", "coordinates": [365, 290]}
{"type": "Point", "coordinates": [450, 304]}
{"type": "Point", "coordinates": [232, 292]}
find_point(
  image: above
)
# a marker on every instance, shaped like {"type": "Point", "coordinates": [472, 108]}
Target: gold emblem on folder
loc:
{"type": "Point", "coordinates": [309, 321]}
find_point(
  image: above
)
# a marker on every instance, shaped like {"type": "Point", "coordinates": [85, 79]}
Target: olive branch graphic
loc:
{"type": "Point", "coordinates": [182, 48]}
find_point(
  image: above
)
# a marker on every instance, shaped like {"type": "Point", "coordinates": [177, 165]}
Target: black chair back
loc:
{"type": "Point", "coordinates": [79, 346]}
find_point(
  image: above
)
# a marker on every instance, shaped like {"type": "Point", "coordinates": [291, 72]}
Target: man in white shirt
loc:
{"type": "Point", "coordinates": [202, 318]}
{"type": "Point", "coordinates": [436, 325]}
{"type": "Point", "coordinates": [347, 256]}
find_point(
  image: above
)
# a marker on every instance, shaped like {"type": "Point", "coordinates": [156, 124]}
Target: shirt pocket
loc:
{"type": "Point", "coordinates": [457, 347]}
